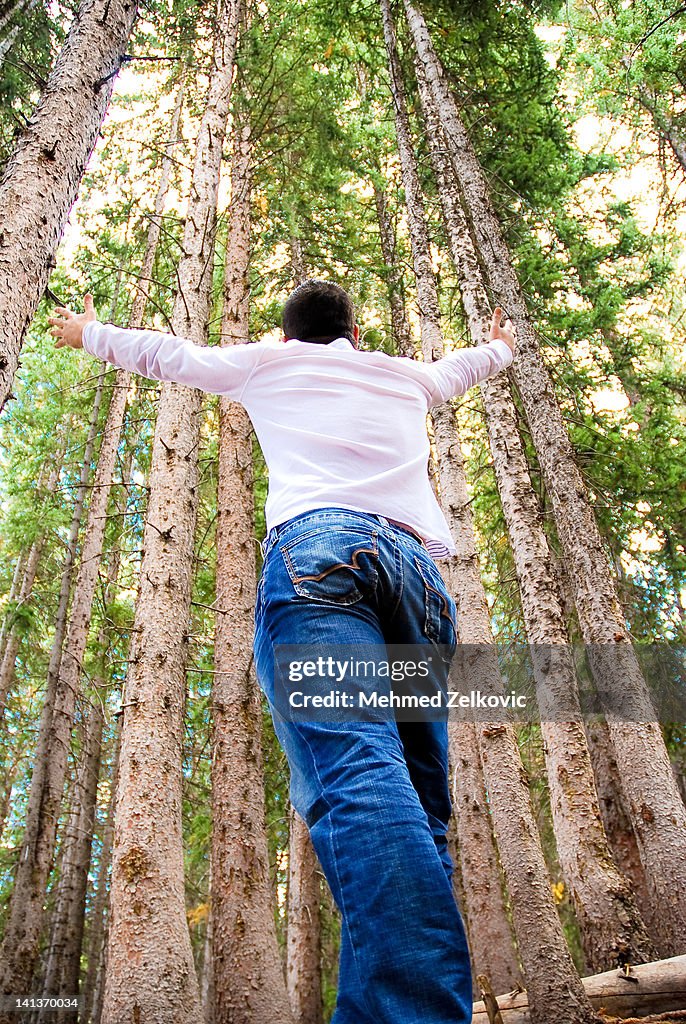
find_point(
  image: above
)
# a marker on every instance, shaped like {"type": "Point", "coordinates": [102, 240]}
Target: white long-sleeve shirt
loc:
{"type": "Point", "coordinates": [338, 427]}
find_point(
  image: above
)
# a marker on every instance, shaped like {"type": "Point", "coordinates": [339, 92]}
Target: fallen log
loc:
{"type": "Point", "coordinates": [647, 989]}
{"type": "Point", "coordinates": [671, 1017]}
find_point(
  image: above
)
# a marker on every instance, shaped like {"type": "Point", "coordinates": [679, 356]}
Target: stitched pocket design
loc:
{"type": "Point", "coordinates": [333, 566]}
{"type": "Point", "coordinates": [439, 624]}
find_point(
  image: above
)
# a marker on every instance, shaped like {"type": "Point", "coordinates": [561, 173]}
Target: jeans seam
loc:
{"type": "Point", "coordinates": [445, 598]}
{"type": "Point", "coordinates": [400, 576]}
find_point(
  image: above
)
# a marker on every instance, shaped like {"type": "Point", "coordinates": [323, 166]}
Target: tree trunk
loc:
{"type": "Point", "coordinates": [65, 959]}
{"type": "Point", "coordinates": [298, 267]}
{"type": "Point", "coordinates": [64, 962]}
{"type": "Point", "coordinates": [150, 972]}
{"type": "Point", "coordinates": [491, 942]}
{"type": "Point", "coordinates": [609, 920]}
{"type": "Point", "coordinates": [145, 277]}
{"type": "Point", "coordinates": [8, 12]}
{"type": "Point", "coordinates": [13, 639]}
{"type": "Point", "coordinates": [42, 177]}
{"type": "Point", "coordinates": [616, 817]}
{"type": "Point", "coordinates": [8, 42]}
{"type": "Point", "coordinates": [97, 932]}
{"type": "Point", "coordinates": [555, 989]}
{"type": "Point", "coordinates": [400, 325]}
{"type": "Point", "coordinates": [453, 850]}
{"type": "Point", "coordinates": [29, 569]}
{"type": "Point", "coordinates": [206, 980]}
{"type": "Point", "coordinates": [658, 813]}
{"type": "Point", "coordinates": [303, 937]}
{"type": "Point", "coordinates": [248, 982]}
{"type": "Point", "coordinates": [9, 775]}
{"type": "Point", "coordinates": [26, 911]}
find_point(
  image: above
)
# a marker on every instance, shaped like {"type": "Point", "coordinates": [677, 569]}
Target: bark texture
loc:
{"type": "Point", "coordinates": [617, 819]}
{"type": "Point", "coordinates": [150, 971]}
{"type": "Point", "coordinates": [400, 325]}
{"type": "Point", "coordinates": [42, 177]}
{"type": "Point", "coordinates": [248, 982]}
{"type": "Point", "coordinates": [303, 943]}
{"type": "Point", "coordinates": [491, 942]}
{"type": "Point", "coordinates": [555, 989]}
{"type": "Point", "coordinates": [658, 813]}
{"type": "Point", "coordinates": [608, 917]}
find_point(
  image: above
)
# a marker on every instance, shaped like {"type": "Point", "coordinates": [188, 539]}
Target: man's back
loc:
{"type": "Point", "coordinates": [338, 427]}
{"type": "Point", "coordinates": [344, 428]}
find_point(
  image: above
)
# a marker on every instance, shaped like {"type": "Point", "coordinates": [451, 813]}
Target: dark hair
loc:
{"type": "Point", "coordinates": [319, 312]}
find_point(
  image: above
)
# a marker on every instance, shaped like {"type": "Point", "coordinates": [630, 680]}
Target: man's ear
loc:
{"type": "Point", "coordinates": [356, 335]}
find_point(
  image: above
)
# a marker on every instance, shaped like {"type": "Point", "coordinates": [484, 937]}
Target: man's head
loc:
{"type": "Point", "coordinates": [319, 312]}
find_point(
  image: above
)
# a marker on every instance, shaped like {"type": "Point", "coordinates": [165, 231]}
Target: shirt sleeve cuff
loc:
{"type": "Point", "coordinates": [86, 340]}
{"type": "Point", "coordinates": [503, 351]}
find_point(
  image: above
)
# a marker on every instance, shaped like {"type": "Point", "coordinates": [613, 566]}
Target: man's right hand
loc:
{"type": "Point", "coordinates": [505, 332]}
{"type": "Point", "coordinates": [67, 326]}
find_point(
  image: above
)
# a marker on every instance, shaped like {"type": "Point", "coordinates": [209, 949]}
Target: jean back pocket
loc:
{"type": "Point", "coordinates": [334, 566]}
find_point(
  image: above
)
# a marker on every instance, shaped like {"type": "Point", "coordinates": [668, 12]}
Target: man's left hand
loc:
{"type": "Point", "coordinates": [504, 332]}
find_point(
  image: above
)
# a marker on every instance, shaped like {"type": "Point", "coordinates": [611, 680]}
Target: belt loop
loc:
{"type": "Point", "coordinates": [383, 520]}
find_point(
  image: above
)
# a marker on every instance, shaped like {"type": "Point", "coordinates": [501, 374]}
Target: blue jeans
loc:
{"type": "Point", "coordinates": [374, 794]}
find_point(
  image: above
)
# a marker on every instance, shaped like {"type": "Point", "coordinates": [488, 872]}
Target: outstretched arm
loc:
{"type": "Point", "coordinates": [221, 370]}
{"type": "Point", "coordinates": [461, 370]}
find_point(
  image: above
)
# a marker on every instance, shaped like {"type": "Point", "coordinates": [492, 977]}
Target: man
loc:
{"type": "Point", "coordinates": [353, 528]}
